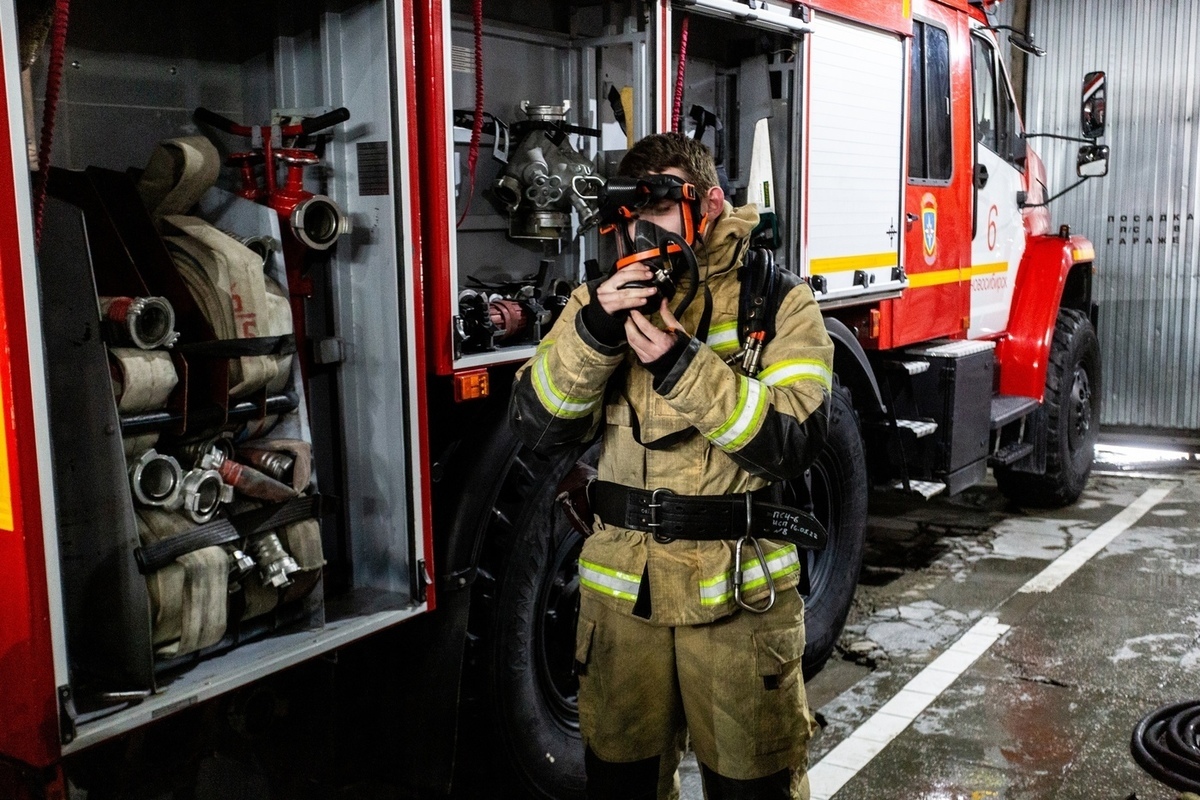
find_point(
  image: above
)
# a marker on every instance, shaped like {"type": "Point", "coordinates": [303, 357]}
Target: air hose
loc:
{"type": "Point", "coordinates": [58, 47]}
{"type": "Point", "coordinates": [681, 73]}
{"type": "Point", "coordinates": [1166, 743]}
{"type": "Point", "coordinates": [477, 125]}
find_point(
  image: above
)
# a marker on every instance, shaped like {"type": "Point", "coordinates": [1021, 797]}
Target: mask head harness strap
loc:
{"type": "Point", "coordinates": [623, 198]}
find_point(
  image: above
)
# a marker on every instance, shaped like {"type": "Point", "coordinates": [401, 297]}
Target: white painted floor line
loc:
{"type": "Point", "coordinates": [1065, 565]}
{"type": "Point", "coordinates": [845, 761]}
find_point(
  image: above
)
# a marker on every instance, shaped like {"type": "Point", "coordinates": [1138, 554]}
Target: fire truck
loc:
{"type": "Point", "coordinates": [267, 271]}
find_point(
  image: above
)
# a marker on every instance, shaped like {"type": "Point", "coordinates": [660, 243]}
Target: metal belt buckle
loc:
{"type": "Point", "coordinates": [762, 559]}
{"type": "Point", "coordinates": [654, 524]}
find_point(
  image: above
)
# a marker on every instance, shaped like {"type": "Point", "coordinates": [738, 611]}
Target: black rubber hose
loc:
{"type": "Point", "coordinates": [314, 124]}
{"type": "Point", "coordinates": [1166, 743]}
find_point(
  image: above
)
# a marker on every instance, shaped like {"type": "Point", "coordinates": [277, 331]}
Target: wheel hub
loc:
{"type": "Point", "coordinates": [558, 607]}
{"type": "Point", "coordinates": [1080, 423]}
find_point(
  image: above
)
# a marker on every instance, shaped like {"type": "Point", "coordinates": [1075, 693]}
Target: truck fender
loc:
{"type": "Point", "coordinates": [852, 368]}
{"type": "Point", "coordinates": [1049, 265]}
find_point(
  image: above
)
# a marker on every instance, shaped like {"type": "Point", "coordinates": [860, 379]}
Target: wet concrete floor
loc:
{"type": "Point", "coordinates": [1047, 711]}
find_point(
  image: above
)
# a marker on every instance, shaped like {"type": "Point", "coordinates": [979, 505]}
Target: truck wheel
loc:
{"type": "Point", "coordinates": [837, 484]}
{"type": "Point", "coordinates": [1072, 417]}
{"type": "Point", "coordinates": [525, 604]}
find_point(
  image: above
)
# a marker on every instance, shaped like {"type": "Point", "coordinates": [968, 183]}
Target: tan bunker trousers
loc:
{"type": "Point", "coordinates": [735, 684]}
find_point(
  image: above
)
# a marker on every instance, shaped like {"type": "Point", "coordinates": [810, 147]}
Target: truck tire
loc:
{"type": "Point", "coordinates": [1071, 414]}
{"type": "Point", "coordinates": [837, 484]}
{"type": "Point", "coordinates": [525, 601]}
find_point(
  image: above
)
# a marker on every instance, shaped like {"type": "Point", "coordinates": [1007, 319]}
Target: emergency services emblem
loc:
{"type": "Point", "coordinates": [929, 226]}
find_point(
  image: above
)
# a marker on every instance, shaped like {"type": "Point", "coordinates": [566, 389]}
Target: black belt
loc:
{"type": "Point", "coordinates": [704, 517]}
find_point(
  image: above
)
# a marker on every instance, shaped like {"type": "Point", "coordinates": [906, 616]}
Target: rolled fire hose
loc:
{"type": "Point", "coordinates": [240, 302]}
{"type": "Point", "coordinates": [142, 380]}
{"type": "Point", "coordinates": [146, 322]}
{"type": "Point", "coordinates": [178, 174]}
{"type": "Point", "coordinates": [188, 597]}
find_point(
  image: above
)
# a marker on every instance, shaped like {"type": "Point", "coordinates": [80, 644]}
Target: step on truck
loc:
{"type": "Point", "coordinates": [267, 270]}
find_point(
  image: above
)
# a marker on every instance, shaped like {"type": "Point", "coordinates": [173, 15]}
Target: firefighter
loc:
{"type": "Point", "coordinates": [691, 625]}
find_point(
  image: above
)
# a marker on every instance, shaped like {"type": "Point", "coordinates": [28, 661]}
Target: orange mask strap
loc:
{"type": "Point", "coordinates": [642, 256]}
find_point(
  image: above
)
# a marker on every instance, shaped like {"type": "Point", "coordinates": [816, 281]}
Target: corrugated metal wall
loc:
{"type": "Point", "coordinates": [1142, 215]}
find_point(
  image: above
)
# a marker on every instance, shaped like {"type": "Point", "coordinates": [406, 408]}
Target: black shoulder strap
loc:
{"type": "Point", "coordinates": [759, 300]}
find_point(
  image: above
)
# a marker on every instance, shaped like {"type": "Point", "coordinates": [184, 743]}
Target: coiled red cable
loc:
{"type": "Point", "coordinates": [477, 125]}
{"type": "Point", "coordinates": [677, 107]}
{"type": "Point", "coordinates": [58, 47]}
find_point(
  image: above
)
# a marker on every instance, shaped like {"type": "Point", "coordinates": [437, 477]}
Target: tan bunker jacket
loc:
{"type": "Point", "coordinates": [750, 432]}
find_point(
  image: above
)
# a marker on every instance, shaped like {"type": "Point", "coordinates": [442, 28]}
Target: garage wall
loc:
{"type": "Point", "coordinates": [1142, 215]}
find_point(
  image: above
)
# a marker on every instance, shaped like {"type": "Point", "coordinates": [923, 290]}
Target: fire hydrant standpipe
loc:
{"type": "Point", "coordinates": [325, 221]}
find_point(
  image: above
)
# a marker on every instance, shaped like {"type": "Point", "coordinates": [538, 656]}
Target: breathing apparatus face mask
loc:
{"type": "Point", "coordinates": [668, 255]}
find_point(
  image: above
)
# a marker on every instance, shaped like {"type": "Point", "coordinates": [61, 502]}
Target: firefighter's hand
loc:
{"type": "Point", "coordinates": [612, 295]}
{"type": "Point", "coordinates": [648, 341]}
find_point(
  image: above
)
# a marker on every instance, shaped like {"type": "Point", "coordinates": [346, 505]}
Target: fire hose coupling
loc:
{"type": "Point", "coordinates": [240, 567]}
{"type": "Point", "coordinates": [147, 322]}
{"type": "Point", "coordinates": [247, 480]}
{"type": "Point", "coordinates": [275, 565]}
{"type": "Point", "coordinates": [156, 479]}
{"type": "Point", "coordinates": [196, 453]}
{"type": "Point", "coordinates": [318, 222]}
{"type": "Point", "coordinates": [261, 246]}
{"type": "Point", "coordinates": [202, 494]}
{"type": "Point", "coordinates": [278, 465]}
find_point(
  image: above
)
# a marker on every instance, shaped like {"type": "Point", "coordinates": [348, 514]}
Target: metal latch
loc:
{"type": "Point", "coordinates": [66, 715]}
{"type": "Point", "coordinates": [423, 580]}
{"type": "Point", "coordinates": [329, 351]}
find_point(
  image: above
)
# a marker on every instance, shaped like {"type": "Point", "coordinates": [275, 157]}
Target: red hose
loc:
{"type": "Point", "coordinates": [477, 125]}
{"type": "Point", "coordinates": [58, 47]}
{"type": "Point", "coordinates": [677, 108]}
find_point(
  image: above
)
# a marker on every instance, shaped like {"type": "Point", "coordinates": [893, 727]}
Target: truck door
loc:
{"type": "Point", "coordinates": [936, 198]}
{"type": "Point", "coordinates": [999, 235]}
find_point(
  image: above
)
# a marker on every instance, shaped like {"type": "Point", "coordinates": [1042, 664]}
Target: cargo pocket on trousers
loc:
{"type": "Point", "coordinates": [583, 645]}
{"type": "Point", "coordinates": [583, 650]}
{"type": "Point", "coordinates": [782, 714]}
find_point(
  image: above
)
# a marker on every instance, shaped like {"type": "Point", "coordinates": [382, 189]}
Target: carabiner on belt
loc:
{"type": "Point", "coordinates": [762, 559]}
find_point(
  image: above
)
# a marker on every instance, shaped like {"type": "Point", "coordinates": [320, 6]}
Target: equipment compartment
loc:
{"type": "Point", "coordinates": [350, 279]}
{"type": "Point", "coordinates": [525, 228]}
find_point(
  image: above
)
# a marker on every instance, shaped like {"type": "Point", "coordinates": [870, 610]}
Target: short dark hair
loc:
{"type": "Point", "coordinates": [661, 151]}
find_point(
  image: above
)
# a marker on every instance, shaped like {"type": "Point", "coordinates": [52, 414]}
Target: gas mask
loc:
{"type": "Point", "coordinates": [669, 256]}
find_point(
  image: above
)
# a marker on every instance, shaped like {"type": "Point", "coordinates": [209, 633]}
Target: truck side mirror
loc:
{"type": "Point", "coordinates": [1092, 161]}
{"type": "Point", "coordinates": [1092, 108]}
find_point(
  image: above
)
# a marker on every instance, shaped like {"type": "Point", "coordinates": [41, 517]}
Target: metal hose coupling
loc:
{"type": "Point", "coordinates": [274, 564]}
{"type": "Point", "coordinates": [261, 246]}
{"type": "Point", "coordinates": [196, 452]}
{"type": "Point", "coordinates": [147, 322]}
{"type": "Point", "coordinates": [240, 566]}
{"type": "Point", "coordinates": [156, 479]}
{"type": "Point", "coordinates": [247, 480]}
{"type": "Point", "coordinates": [253, 483]}
{"type": "Point", "coordinates": [318, 222]}
{"type": "Point", "coordinates": [202, 494]}
{"type": "Point", "coordinates": [279, 465]}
